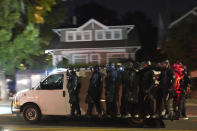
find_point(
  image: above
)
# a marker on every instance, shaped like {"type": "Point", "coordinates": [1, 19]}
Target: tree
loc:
{"type": "Point", "coordinates": [181, 43]}
{"type": "Point", "coordinates": [147, 34]}
{"type": "Point", "coordinates": [19, 32]}
{"type": "Point", "coordinates": [37, 9]}
{"type": "Point", "coordinates": [17, 41]}
{"type": "Point", "coordinates": [53, 19]}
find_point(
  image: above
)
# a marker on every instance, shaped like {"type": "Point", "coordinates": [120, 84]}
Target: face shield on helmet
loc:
{"type": "Point", "coordinates": [96, 69]}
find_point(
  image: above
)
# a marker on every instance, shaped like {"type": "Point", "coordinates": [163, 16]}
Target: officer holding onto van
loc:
{"type": "Point", "coordinates": [184, 86]}
{"type": "Point", "coordinates": [73, 87]}
{"type": "Point", "coordinates": [129, 91]}
{"type": "Point", "coordinates": [112, 84]}
{"type": "Point", "coordinates": [167, 81]}
{"type": "Point", "coordinates": [146, 94]}
{"type": "Point", "coordinates": [94, 92]}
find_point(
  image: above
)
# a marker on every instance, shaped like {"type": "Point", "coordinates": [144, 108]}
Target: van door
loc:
{"type": "Point", "coordinates": [53, 95]}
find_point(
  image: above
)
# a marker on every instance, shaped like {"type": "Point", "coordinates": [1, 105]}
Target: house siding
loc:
{"type": "Point", "coordinates": [124, 34]}
{"type": "Point", "coordinates": [63, 36]}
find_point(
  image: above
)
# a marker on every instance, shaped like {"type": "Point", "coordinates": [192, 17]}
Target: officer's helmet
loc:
{"type": "Point", "coordinates": [167, 62]}
{"type": "Point", "coordinates": [96, 69]}
{"type": "Point", "coordinates": [146, 63]}
{"type": "Point", "coordinates": [112, 65]}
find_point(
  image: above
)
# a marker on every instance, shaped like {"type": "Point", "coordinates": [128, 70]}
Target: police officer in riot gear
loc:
{"type": "Point", "coordinates": [112, 83]}
{"type": "Point", "coordinates": [167, 80]}
{"type": "Point", "coordinates": [94, 92]}
{"type": "Point", "coordinates": [184, 85]}
{"type": "Point", "coordinates": [181, 85]}
{"type": "Point", "coordinates": [129, 91]}
{"type": "Point", "coordinates": [146, 96]}
{"type": "Point", "coordinates": [73, 86]}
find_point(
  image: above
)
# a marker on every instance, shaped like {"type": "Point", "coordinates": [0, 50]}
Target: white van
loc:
{"type": "Point", "coordinates": [50, 97]}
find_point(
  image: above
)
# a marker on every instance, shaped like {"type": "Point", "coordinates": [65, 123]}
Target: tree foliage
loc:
{"type": "Point", "coordinates": [53, 19]}
{"type": "Point", "coordinates": [20, 40]}
{"type": "Point", "coordinates": [147, 34]}
{"type": "Point", "coordinates": [182, 43]}
{"type": "Point", "coordinates": [37, 9]}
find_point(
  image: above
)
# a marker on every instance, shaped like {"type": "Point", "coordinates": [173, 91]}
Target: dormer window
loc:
{"type": "Point", "coordinates": [99, 35]}
{"type": "Point", "coordinates": [108, 35]}
{"type": "Point", "coordinates": [111, 34]}
{"type": "Point", "coordinates": [72, 36]}
{"type": "Point", "coordinates": [78, 36]}
{"type": "Point", "coordinates": [117, 34]}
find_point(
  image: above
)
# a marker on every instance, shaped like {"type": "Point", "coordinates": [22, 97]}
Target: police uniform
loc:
{"type": "Point", "coordinates": [129, 92]}
{"type": "Point", "coordinates": [184, 84]}
{"type": "Point", "coordinates": [112, 83]}
{"type": "Point", "coordinates": [167, 80]}
{"type": "Point", "coordinates": [147, 80]}
{"type": "Point", "coordinates": [73, 87]}
{"type": "Point", "coordinates": [94, 92]}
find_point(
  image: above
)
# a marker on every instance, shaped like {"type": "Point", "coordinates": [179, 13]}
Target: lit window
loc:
{"type": "Point", "coordinates": [70, 36]}
{"type": "Point", "coordinates": [73, 36]}
{"type": "Point", "coordinates": [108, 35]}
{"type": "Point", "coordinates": [95, 58]}
{"type": "Point", "coordinates": [80, 58]}
{"type": "Point", "coordinates": [78, 36]}
{"type": "Point", "coordinates": [117, 34]}
{"type": "Point", "coordinates": [115, 57]}
{"type": "Point", "coordinates": [99, 35]}
{"type": "Point", "coordinates": [87, 35]}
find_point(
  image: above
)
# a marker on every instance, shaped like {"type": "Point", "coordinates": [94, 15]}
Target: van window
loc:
{"type": "Point", "coordinates": [53, 82]}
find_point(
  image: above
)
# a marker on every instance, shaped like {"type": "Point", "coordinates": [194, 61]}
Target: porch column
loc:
{"type": "Point", "coordinates": [56, 59]}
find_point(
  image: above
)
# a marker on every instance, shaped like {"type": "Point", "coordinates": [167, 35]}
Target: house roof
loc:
{"type": "Point", "coordinates": [131, 41]}
{"type": "Point", "coordinates": [192, 12]}
{"type": "Point", "coordinates": [92, 22]}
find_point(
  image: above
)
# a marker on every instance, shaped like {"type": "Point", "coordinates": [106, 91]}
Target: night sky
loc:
{"type": "Point", "coordinates": [150, 7]}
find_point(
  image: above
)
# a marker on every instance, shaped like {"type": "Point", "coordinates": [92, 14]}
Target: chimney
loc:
{"type": "Point", "coordinates": [74, 20]}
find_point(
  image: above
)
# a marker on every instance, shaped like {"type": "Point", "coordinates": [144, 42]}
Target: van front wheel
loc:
{"type": "Point", "coordinates": [31, 113]}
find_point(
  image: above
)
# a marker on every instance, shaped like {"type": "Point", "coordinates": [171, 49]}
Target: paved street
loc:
{"type": "Point", "coordinates": [9, 122]}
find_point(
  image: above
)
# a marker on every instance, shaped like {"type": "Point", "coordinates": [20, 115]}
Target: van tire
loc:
{"type": "Point", "coordinates": [32, 113]}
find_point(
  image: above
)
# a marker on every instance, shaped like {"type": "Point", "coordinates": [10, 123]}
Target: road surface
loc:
{"type": "Point", "coordinates": [9, 122]}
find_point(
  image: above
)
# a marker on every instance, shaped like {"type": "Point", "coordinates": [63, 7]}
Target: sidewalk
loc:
{"type": "Point", "coordinates": [5, 102]}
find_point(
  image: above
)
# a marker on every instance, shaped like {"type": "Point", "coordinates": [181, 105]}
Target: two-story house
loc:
{"type": "Point", "coordinates": [94, 42]}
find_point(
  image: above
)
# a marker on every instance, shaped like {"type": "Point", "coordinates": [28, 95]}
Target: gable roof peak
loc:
{"type": "Point", "coordinates": [92, 21]}
{"type": "Point", "coordinates": [193, 12]}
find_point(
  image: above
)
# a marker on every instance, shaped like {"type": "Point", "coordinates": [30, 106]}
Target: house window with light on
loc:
{"type": "Point", "coordinates": [95, 58]}
{"type": "Point", "coordinates": [110, 34]}
{"type": "Point", "coordinates": [80, 58]}
{"type": "Point", "coordinates": [72, 36]}
{"type": "Point", "coordinates": [115, 57]}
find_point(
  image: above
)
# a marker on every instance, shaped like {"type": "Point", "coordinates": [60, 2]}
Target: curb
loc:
{"type": "Point", "coordinates": [7, 115]}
